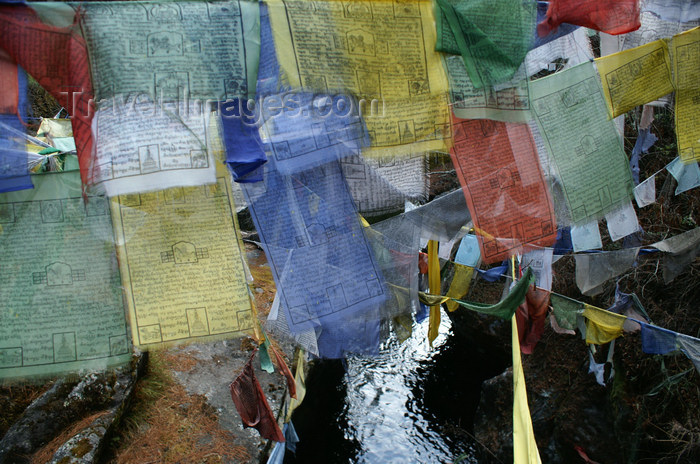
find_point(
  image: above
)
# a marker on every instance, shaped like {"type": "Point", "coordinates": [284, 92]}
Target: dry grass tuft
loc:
{"type": "Point", "coordinates": [166, 424]}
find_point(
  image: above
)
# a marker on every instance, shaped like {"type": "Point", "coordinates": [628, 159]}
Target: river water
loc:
{"type": "Point", "coordinates": [410, 404]}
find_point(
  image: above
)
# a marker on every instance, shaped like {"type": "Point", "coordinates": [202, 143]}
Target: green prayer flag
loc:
{"type": "Point", "coordinates": [493, 36]}
{"type": "Point", "coordinates": [507, 306]}
{"type": "Point", "coordinates": [565, 310]}
{"type": "Point", "coordinates": [508, 103]}
{"type": "Point", "coordinates": [265, 361]}
{"type": "Point", "coordinates": [60, 287]}
{"type": "Point", "coordinates": [173, 50]}
{"type": "Point", "coordinates": [446, 41]}
{"type": "Point", "coordinates": [582, 142]}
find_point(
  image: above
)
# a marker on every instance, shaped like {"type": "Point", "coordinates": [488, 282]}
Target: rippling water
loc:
{"type": "Point", "coordinates": [409, 404]}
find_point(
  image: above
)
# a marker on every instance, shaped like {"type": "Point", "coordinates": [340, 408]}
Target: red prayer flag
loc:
{"type": "Point", "coordinates": [249, 398]}
{"type": "Point", "coordinates": [284, 369]}
{"type": "Point", "coordinates": [57, 58]}
{"type": "Point", "coordinates": [499, 170]}
{"type": "Point", "coordinates": [9, 90]}
{"type": "Point", "coordinates": [609, 16]}
{"type": "Point", "coordinates": [530, 318]}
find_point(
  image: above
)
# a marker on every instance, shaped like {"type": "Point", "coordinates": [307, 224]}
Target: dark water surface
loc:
{"type": "Point", "coordinates": [410, 404]}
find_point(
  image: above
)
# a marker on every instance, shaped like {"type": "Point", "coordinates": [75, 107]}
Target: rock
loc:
{"type": "Point", "coordinates": [41, 421]}
{"type": "Point", "coordinates": [66, 403]}
{"type": "Point", "coordinates": [568, 409]}
{"type": "Point", "coordinates": [82, 448]}
{"type": "Point", "coordinates": [493, 424]}
{"type": "Point", "coordinates": [245, 221]}
{"type": "Point", "coordinates": [87, 445]}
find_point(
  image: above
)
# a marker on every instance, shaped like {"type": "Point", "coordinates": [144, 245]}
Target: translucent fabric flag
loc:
{"type": "Point", "coordinates": [609, 16]}
{"type": "Point", "coordinates": [381, 187]}
{"type": "Point", "coordinates": [687, 175]}
{"type": "Point", "coordinates": [461, 281]}
{"type": "Point", "coordinates": [586, 237]}
{"type": "Point", "coordinates": [540, 261]}
{"type": "Point", "coordinates": [510, 101]}
{"type": "Point", "coordinates": [251, 404]}
{"type": "Point", "coordinates": [594, 269]}
{"type": "Point", "coordinates": [597, 369]}
{"type": "Point", "coordinates": [655, 26]}
{"type": "Point", "coordinates": [62, 307]}
{"type": "Point", "coordinates": [629, 305]}
{"type": "Point", "coordinates": [634, 77]}
{"type": "Point", "coordinates": [622, 222]}
{"type": "Point", "coordinates": [307, 130]}
{"type": "Point", "coordinates": [181, 56]}
{"type": "Point", "coordinates": [173, 51]}
{"type": "Point", "coordinates": [565, 311]}
{"type": "Point", "coordinates": [674, 10]}
{"type": "Point", "coordinates": [468, 252]}
{"type": "Point", "coordinates": [264, 354]}
{"type": "Point", "coordinates": [182, 246]}
{"type": "Point", "coordinates": [493, 37]}
{"type": "Point", "coordinates": [303, 129]}
{"type": "Point", "coordinates": [398, 264]}
{"type": "Point", "coordinates": [582, 142]}
{"type": "Point", "coordinates": [358, 335]}
{"type": "Point", "coordinates": [442, 218]}
{"type": "Point", "coordinates": [499, 170]}
{"type": "Point", "coordinates": [56, 56]}
{"type": "Point", "coordinates": [268, 67]}
{"type": "Point", "coordinates": [141, 148]}
{"type": "Point", "coordinates": [563, 244]}
{"type": "Point", "coordinates": [645, 140]}
{"type": "Point", "coordinates": [602, 326]}
{"type": "Point", "coordinates": [690, 346]}
{"type": "Point", "coordinates": [446, 40]}
{"type": "Point", "coordinates": [686, 77]}
{"type": "Point", "coordinates": [14, 173]}
{"type": "Point", "coordinates": [680, 251]}
{"type": "Point", "coordinates": [562, 53]}
{"type": "Point", "coordinates": [277, 322]}
{"type": "Point", "coordinates": [323, 266]}
{"type": "Point", "coordinates": [380, 51]}
{"type": "Point", "coordinates": [300, 382]}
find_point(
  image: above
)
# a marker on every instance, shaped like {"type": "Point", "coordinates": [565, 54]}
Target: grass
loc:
{"type": "Point", "coordinates": [15, 399]}
{"type": "Point", "coordinates": [166, 424]}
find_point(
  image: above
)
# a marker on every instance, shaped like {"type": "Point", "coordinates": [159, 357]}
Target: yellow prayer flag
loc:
{"type": "Point", "coordinates": [686, 73]}
{"type": "Point", "coordinates": [636, 76]}
{"type": "Point", "coordinates": [524, 445]}
{"type": "Point", "coordinates": [434, 284]}
{"type": "Point", "coordinates": [181, 261]}
{"type": "Point", "coordinates": [300, 380]}
{"type": "Point", "coordinates": [460, 285]}
{"type": "Point", "coordinates": [381, 51]}
{"type": "Point", "coordinates": [602, 326]}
